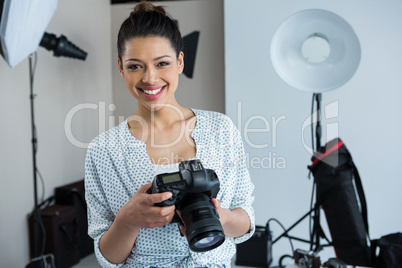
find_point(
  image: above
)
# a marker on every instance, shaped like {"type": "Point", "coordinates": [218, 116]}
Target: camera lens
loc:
{"type": "Point", "coordinates": [203, 228]}
{"type": "Point", "coordinates": [207, 241]}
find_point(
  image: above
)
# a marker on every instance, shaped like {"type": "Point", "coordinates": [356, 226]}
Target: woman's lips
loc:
{"type": "Point", "coordinates": [152, 92]}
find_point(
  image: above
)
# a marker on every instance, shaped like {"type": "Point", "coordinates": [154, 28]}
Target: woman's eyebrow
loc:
{"type": "Point", "coordinates": [156, 59]}
{"type": "Point", "coordinates": [133, 59]}
{"type": "Point", "coordinates": [161, 57]}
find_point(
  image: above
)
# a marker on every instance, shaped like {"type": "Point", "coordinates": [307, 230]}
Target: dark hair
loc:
{"type": "Point", "coordinates": [148, 20]}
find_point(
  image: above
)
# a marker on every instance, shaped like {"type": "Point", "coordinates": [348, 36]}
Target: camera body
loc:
{"type": "Point", "coordinates": [192, 187]}
{"type": "Point", "coordinates": [192, 178]}
{"type": "Point", "coordinates": [306, 259]}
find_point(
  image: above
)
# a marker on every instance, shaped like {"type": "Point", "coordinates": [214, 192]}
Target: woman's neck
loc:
{"type": "Point", "coordinates": [161, 117]}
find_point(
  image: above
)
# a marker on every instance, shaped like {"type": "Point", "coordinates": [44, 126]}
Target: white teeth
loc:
{"type": "Point", "coordinates": [153, 92]}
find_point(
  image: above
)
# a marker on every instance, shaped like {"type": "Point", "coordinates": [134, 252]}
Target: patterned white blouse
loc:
{"type": "Point", "coordinates": [117, 165]}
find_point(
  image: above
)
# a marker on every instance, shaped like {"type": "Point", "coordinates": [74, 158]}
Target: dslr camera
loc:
{"type": "Point", "coordinates": [192, 187]}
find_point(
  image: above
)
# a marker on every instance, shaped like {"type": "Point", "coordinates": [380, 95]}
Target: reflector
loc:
{"type": "Point", "coordinates": [315, 50]}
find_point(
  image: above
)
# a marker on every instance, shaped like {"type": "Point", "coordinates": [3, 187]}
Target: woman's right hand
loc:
{"type": "Point", "coordinates": [141, 212]}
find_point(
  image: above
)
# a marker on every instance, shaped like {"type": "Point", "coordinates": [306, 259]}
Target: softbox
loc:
{"type": "Point", "coordinates": [22, 25]}
{"type": "Point", "coordinates": [337, 181]}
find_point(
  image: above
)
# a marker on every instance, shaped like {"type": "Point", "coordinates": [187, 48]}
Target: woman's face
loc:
{"type": "Point", "coordinates": [151, 70]}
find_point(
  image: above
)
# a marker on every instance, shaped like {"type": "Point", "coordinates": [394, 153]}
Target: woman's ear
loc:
{"type": "Point", "coordinates": [119, 63]}
{"type": "Point", "coordinates": [180, 62]}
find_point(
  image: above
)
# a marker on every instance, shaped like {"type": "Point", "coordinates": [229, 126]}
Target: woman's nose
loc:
{"type": "Point", "coordinates": [150, 76]}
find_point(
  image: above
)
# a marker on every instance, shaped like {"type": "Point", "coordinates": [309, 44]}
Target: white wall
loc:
{"type": "Point", "coordinates": [206, 89]}
{"type": "Point", "coordinates": [60, 85]}
{"type": "Point", "coordinates": [369, 111]}
{"type": "Point", "coordinates": [369, 107]}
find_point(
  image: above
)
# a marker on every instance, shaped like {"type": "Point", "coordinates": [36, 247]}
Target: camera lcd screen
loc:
{"type": "Point", "coordinates": [171, 178]}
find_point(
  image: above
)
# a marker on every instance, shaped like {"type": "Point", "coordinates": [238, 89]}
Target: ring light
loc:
{"type": "Point", "coordinates": [315, 50]}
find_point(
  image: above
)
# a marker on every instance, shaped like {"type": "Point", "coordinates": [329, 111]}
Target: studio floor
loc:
{"type": "Point", "coordinates": [91, 262]}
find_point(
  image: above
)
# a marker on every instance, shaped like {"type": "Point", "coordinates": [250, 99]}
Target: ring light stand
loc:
{"type": "Point", "coordinates": [315, 51]}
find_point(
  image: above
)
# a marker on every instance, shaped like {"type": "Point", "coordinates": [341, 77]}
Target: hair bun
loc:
{"type": "Point", "coordinates": [149, 7]}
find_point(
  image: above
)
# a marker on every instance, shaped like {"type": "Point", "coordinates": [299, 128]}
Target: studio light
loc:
{"type": "Point", "coordinates": [22, 30]}
{"type": "Point", "coordinates": [190, 43]}
{"type": "Point", "coordinates": [22, 26]}
{"type": "Point", "coordinates": [190, 50]}
{"type": "Point", "coordinates": [315, 50]}
{"type": "Point", "coordinates": [62, 47]}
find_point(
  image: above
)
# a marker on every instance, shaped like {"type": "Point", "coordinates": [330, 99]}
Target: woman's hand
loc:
{"type": "Point", "coordinates": [224, 213]}
{"type": "Point", "coordinates": [141, 212]}
{"type": "Point", "coordinates": [234, 222]}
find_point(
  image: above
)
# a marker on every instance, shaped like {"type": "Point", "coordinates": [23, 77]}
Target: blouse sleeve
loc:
{"type": "Point", "coordinates": [243, 187]}
{"type": "Point", "coordinates": [100, 216]}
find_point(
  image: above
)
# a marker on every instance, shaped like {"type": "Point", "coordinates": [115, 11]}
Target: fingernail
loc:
{"type": "Point", "coordinates": [169, 195]}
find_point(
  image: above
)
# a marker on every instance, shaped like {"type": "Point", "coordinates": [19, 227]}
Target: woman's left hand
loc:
{"type": "Point", "coordinates": [224, 215]}
{"type": "Point", "coordinates": [234, 222]}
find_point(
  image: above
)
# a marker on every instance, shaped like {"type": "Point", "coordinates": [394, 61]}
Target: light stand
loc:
{"type": "Point", "coordinates": [316, 51]}
{"type": "Point", "coordinates": [61, 47]}
{"type": "Point", "coordinates": [35, 213]}
{"type": "Point", "coordinates": [21, 32]}
{"type": "Point", "coordinates": [33, 130]}
{"type": "Point", "coordinates": [317, 233]}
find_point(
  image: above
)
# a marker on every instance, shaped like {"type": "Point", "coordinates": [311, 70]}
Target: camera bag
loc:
{"type": "Point", "coordinates": [74, 195]}
{"type": "Point", "coordinates": [390, 254]}
{"type": "Point", "coordinates": [59, 235]}
{"type": "Point", "coordinates": [338, 180]}
{"type": "Point", "coordinates": [256, 251]}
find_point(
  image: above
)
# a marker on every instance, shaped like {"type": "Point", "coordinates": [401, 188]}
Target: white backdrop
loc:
{"type": "Point", "coordinates": [270, 113]}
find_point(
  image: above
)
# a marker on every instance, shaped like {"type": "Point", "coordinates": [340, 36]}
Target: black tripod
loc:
{"type": "Point", "coordinates": [317, 232]}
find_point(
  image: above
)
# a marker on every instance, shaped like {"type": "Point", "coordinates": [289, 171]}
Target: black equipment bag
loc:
{"type": "Point", "coordinates": [337, 181]}
{"type": "Point", "coordinates": [74, 195]}
{"type": "Point", "coordinates": [390, 255]}
{"type": "Point", "coordinates": [256, 251]}
{"type": "Point", "coordinates": [60, 236]}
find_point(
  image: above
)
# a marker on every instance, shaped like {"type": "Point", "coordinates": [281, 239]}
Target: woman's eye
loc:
{"type": "Point", "coordinates": [134, 67]}
{"type": "Point", "coordinates": [163, 64]}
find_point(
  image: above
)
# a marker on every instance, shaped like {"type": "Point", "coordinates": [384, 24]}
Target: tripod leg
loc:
{"type": "Point", "coordinates": [285, 233]}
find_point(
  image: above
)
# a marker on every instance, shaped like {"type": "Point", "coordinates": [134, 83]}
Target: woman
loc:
{"type": "Point", "coordinates": [127, 228]}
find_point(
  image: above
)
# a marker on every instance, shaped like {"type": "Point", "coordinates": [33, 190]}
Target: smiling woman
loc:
{"type": "Point", "coordinates": [150, 68]}
{"type": "Point", "coordinates": [128, 229]}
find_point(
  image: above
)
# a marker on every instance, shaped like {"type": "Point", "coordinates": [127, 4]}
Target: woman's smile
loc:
{"type": "Point", "coordinates": [152, 92]}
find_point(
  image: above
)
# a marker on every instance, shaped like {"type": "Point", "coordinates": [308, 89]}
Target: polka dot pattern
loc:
{"type": "Point", "coordinates": [117, 165]}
